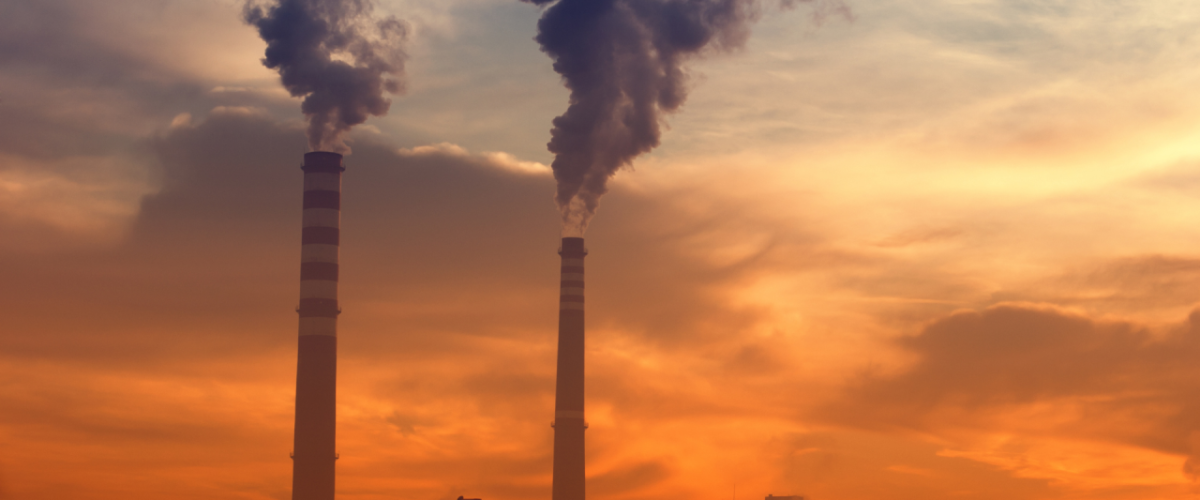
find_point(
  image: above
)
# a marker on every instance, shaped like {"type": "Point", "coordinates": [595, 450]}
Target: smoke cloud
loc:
{"type": "Point", "coordinates": [336, 56]}
{"type": "Point", "coordinates": [623, 62]}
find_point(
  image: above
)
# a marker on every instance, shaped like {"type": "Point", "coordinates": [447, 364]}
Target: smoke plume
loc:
{"type": "Point", "coordinates": [337, 57]}
{"type": "Point", "coordinates": [623, 63]}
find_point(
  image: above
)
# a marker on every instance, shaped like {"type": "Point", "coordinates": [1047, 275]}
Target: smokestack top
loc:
{"type": "Point", "coordinates": [572, 246]}
{"type": "Point", "coordinates": [323, 161]}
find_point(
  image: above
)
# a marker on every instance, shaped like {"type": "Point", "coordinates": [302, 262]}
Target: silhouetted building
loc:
{"type": "Point", "coordinates": [568, 396]}
{"type": "Point", "coordinates": [789, 497]}
{"type": "Point", "coordinates": [316, 366]}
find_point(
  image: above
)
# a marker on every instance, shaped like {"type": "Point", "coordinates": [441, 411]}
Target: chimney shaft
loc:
{"type": "Point", "coordinates": [316, 370]}
{"type": "Point", "coordinates": [568, 398]}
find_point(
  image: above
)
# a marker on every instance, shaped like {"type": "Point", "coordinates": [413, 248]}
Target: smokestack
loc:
{"type": "Point", "coordinates": [568, 397]}
{"type": "Point", "coordinates": [316, 369]}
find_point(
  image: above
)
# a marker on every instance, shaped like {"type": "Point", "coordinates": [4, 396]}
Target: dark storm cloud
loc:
{"type": "Point", "coordinates": [304, 40]}
{"type": "Point", "coordinates": [623, 63]}
{"type": "Point", "coordinates": [1134, 387]}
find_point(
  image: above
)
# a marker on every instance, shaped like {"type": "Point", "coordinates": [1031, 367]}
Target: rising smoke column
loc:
{"type": "Point", "coordinates": [334, 55]}
{"type": "Point", "coordinates": [623, 63]}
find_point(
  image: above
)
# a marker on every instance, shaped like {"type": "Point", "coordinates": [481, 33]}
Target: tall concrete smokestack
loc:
{"type": "Point", "coordinates": [568, 397]}
{"type": "Point", "coordinates": [316, 370]}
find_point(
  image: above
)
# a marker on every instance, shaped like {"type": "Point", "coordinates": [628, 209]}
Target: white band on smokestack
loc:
{"type": "Point", "coordinates": [318, 289]}
{"type": "Point", "coordinates": [318, 253]}
{"type": "Point", "coordinates": [318, 326]}
{"type": "Point", "coordinates": [322, 181]}
{"type": "Point", "coordinates": [321, 217]}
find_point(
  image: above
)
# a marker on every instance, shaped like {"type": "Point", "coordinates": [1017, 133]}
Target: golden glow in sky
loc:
{"type": "Point", "coordinates": [942, 250]}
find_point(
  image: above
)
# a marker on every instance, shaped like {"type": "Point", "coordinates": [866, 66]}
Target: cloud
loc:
{"type": "Point", "coordinates": [1039, 372]}
{"type": "Point", "coordinates": [1141, 283]}
{"type": "Point", "coordinates": [449, 298]}
{"type": "Point", "coordinates": [83, 88]}
{"type": "Point", "coordinates": [628, 479]}
{"type": "Point", "coordinates": [149, 338]}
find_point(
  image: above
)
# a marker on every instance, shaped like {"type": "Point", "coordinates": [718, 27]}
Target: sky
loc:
{"type": "Point", "coordinates": [931, 250]}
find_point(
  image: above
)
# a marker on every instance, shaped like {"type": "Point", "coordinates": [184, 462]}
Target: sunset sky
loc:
{"type": "Point", "coordinates": [938, 249]}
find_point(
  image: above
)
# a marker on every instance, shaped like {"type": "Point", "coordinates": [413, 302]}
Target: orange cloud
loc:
{"type": "Point", "coordinates": [1044, 393]}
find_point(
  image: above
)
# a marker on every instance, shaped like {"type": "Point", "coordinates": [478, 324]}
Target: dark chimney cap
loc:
{"type": "Point", "coordinates": [572, 247]}
{"type": "Point", "coordinates": [323, 161]}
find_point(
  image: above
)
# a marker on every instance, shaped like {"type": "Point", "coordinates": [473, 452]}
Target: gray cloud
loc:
{"type": "Point", "coordinates": [1135, 387]}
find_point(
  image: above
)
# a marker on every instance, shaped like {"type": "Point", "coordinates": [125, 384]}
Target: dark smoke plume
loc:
{"type": "Point", "coordinates": [333, 54]}
{"type": "Point", "coordinates": [623, 62]}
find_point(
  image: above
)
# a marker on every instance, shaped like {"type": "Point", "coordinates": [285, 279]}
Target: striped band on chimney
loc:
{"type": "Point", "coordinates": [571, 294]}
{"type": "Point", "coordinates": [319, 245]}
{"type": "Point", "coordinates": [316, 368]}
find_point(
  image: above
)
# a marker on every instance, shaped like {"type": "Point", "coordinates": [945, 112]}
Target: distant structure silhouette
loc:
{"type": "Point", "coordinates": [789, 497]}
{"type": "Point", "coordinates": [568, 396]}
{"type": "Point", "coordinates": [461, 498]}
{"type": "Point", "coordinates": [316, 366]}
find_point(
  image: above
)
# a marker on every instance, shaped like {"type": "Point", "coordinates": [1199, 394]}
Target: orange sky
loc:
{"type": "Point", "coordinates": [943, 251]}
